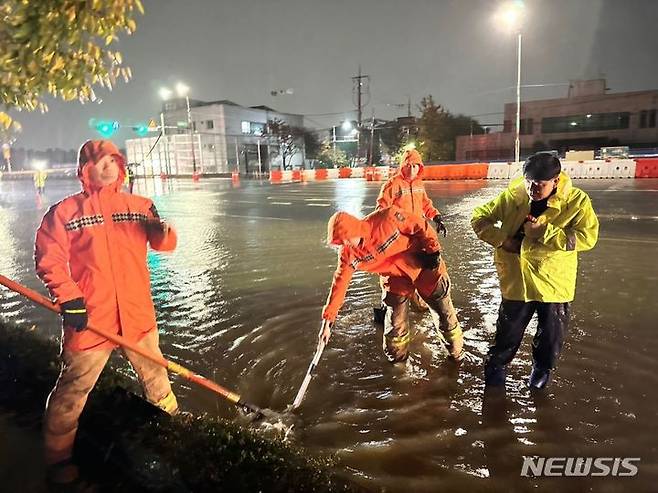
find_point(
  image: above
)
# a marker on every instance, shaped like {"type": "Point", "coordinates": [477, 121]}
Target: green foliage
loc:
{"type": "Point", "coordinates": [60, 48]}
{"type": "Point", "coordinates": [288, 138]}
{"type": "Point", "coordinates": [312, 144]}
{"type": "Point", "coordinates": [438, 129]}
{"type": "Point", "coordinates": [331, 155]}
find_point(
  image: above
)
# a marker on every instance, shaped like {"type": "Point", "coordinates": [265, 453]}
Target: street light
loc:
{"type": "Point", "coordinates": [510, 16]}
{"type": "Point", "coordinates": [182, 91]}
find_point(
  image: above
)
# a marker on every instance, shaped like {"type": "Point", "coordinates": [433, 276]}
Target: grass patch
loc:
{"type": "Point", "coordinates": [126, 444]}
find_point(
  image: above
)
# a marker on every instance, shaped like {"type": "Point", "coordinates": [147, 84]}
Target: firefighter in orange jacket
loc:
{"type": "Point", "coordinates": [90, 252]}
{"type": "Point", "coordinates": [405, 189]}
{"type": "Point", "coordinates": [404, 250]}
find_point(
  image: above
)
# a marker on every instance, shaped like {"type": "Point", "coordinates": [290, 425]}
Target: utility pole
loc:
{"type": "Point", "coordinates": [362, 91]}
{"type": "Point", "coordinates": [372, 138]}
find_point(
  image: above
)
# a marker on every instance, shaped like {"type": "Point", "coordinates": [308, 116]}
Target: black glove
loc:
{"type": "Point", "coordinates": [429, 260]}
{"type": "Point", "coordinates": [440, 227]}
{"type": "Point", "coordinates": [74, 313]}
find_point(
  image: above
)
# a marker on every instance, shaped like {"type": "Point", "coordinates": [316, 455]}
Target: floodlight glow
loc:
{"type": "Point", "coordinates": [347, 125]}
{"type": "Point", "coordinates": [510, 15]}
{"type": "Point", "coordinates": [165, 93]}
{"type": "Point", "coordinates": [39, 164]}
{"type": "Point", "coordinates": [181, 89]}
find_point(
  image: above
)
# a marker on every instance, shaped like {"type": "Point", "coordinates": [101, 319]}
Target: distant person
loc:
{"type": "Point", "coordinates": [537, 227]}
{"type": "Point", "coordinates": [405, 189]}
{"type": "Point", "coordinates": [405, 250]}
{"type": "Point", "coordinates": [91, 253]}
{"type": "Point", "coordinates": [130, 177]}
{"type": "Point", "coordinates": [40, 177]}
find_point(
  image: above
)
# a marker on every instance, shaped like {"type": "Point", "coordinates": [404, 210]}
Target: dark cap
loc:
{"type": "Point", "coordinates": [542, 166]}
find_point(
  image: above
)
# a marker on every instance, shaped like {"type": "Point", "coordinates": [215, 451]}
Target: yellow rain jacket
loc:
{"type": "Point", "coordinates": [545, 270]}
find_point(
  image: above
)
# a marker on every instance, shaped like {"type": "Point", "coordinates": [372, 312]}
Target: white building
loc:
{"type": "Point", "coordinates": [227, 137]}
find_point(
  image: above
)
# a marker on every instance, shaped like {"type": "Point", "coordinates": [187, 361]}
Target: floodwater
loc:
{"type": "Point", "coordinates": [240, 301]}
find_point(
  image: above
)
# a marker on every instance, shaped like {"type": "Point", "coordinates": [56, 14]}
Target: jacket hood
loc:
{"type": "Point", "coordinates": [564, 187]}
{"type": "Point", "coordinates": [93, 151]}
{"type": "Point", "coordinates": [411, 156]}
{"type": "Point", "coordinates": [343, 226]}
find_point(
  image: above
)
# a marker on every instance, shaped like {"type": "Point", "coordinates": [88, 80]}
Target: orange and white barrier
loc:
{"type": "Point", "coordinates": [591, 169]}
{"type": "Point", "coordinates": [498, 171]}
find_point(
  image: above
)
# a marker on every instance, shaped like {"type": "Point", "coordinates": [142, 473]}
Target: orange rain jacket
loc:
{"type": "Point", "coordinates": [391, 238]}
{"type": "Point", "coordinates": [93, 245]}
{"type": "Point", "coordinates": [407, 194]}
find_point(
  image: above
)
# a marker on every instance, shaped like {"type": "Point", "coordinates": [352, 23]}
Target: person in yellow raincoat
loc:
{"type": "Point", "coordinates": [40, 180]}
{"type": "Point", "coordinates": [537, 227]}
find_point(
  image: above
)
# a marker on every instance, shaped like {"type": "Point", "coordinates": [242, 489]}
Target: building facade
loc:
{"type": "Point", "coordinates": [224, 137]}
{"type": "Point", "coordinates": [588, 118]}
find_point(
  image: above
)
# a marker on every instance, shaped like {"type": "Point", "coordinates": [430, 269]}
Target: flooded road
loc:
{"type": "Point", "coordinates": [240, 301]}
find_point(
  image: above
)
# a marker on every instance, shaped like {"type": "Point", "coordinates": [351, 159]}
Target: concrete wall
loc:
{"type": "Point", "coordinates": [495, 145]}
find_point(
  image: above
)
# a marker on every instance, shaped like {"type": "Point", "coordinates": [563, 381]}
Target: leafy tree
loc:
{"type": "Point", "coordinates": [312, 144]}
{"type": "Point", "coordinates": [438, 129]}
{"type": "Point", "coordinates": [288, 138]}
{"type": "Point", "coordinates": [395, 136]}
{"type": "Point", "coordinates": [60, 48]}
{"type": "Point", "coordinates": [331, 155]}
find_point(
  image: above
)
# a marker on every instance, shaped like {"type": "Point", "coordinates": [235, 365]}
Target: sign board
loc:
{"type": "Point", "coordinates": [152, 125]}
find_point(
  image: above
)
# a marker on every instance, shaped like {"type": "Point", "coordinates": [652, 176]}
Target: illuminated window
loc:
{"type": "Point", "coordinates": [585, 123]}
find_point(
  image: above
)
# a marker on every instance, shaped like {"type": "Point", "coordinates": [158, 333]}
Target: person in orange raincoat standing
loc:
{"type": "Point", "coordinates": [90, 252]}
{"type": "Point", "coordinates": [405, 189]}
{"type": "Point", "coordinates": [405, 250]}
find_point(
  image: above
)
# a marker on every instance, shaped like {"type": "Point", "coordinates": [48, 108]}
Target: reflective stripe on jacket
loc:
{"type": "Point", "coordinates": [546, 268]}
{"type": "Point", "coordinates": [392, 238]}
{"type": "Point", "coordinates": [408, 195]}
{"type": "Point", "coordinates": [93, 245]}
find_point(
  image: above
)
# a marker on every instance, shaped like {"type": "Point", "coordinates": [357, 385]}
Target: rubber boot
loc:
{"type": "Point", "coordinates": [539, 378]}
{"type": "Point", "coordinates": [454, 341]}
{"type": "Point", "coordinates": [494, 376]}
{"type": "Point", "coordinates": [396, 348]}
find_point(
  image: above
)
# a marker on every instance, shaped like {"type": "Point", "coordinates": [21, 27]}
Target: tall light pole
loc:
{"type": "Point", "coordinates": [165, 94]}
{"type": "Point", "coordinates": [511, 16]}
{"type": "Point", "coordinates": [182, 91]}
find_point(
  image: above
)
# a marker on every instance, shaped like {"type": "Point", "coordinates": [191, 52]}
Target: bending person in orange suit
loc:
{"type": "Point", "coordinates": [404, 250]}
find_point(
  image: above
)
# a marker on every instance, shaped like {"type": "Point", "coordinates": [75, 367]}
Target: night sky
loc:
{"type": "Point", "coordinates": [242, 49]}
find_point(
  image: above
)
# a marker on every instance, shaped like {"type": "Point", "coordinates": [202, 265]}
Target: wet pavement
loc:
{"type": "Point", "coordinates": [240, 301]}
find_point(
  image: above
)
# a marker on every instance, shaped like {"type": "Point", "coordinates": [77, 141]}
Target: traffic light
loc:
{"type": "Point", "coordinates": [106, 128]}
{"type": "Point", "coordinates": [141, 129]}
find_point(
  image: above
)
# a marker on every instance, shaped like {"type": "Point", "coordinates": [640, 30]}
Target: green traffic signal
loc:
{"type": "Point", "coordinates": [106, 128]}
{"type": "Point", "coordinates": [141, 129]}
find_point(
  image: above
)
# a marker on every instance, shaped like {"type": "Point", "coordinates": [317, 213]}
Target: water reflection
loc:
{"type": "Point", "coordinates": [240, 301]}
